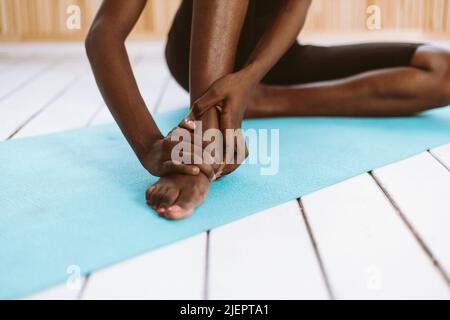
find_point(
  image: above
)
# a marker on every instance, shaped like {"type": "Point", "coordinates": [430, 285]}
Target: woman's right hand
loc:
{"type": "Point", "coordinates": [158, 159]}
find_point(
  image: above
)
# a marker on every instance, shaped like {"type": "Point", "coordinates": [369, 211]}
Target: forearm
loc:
{"type": "Point", "coordinates": [113, 73]}
{"type": "Point", "coordinates": [216, 28]}
{"type": "Point", "coordinates": [278, 37]}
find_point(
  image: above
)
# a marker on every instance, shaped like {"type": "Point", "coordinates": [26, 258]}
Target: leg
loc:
{"type": "Point", "coordinates": [216, 26]}
{"type": "Point", "coordinates": [420, 84]}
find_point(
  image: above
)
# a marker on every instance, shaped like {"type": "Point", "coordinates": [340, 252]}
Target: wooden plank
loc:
{"type": "Point", "coordinates": [268, 255]}
{"type": "Point", "coordinates": [17, 109]}
{"type": "Point", "coordinates": [15, 78]}
{"type": "Point", "coordinates": [172, 272]}
{"type": "Point", "coordinates": [367, 250]}
{"type": "Point", "coordinates": [102, 117]}
{"type": "Point", "coordinates": [157, 274]}
{"type": "Point", "coordinates": [175, 97]}
{"type": "Point", "coordinates": [420, 188]}
{"type": "Point", "coordinates": [442, 154]}
{"type": "Point", "coordinates": [73, 109]}
{"type": "Point", "coordinates": [61, 292]}
{"type": "Point", "coordinates": [151, 76]}
{"type": "Point", "coordinates": [78, 100]}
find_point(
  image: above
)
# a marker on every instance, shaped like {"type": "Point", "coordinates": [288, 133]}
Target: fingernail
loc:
{"type": "Point", "coordinates": [196, 170]}
{"type": "Point", "coordinates": [190, 122]}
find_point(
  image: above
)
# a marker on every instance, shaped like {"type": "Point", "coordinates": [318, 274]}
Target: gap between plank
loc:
{"type": "Point", "coordinates": [438, 160]}
{"type": "Point", "coordinates": [96, 113]}
{"type": "Point", "coordinates": [12, 64]}
{"type": "Point", "coordinates": [162, 94]}
{"type": "Point", "coordinates": [33, 77]}
{"type": "Point", "coordinates": [53, 99]}
{"type": "Point", "coordinates": [83, 287]}
{"type": "Point", "coordinates": [316, 251]}
{"type": "Point", "coordinates": [138, 61]}
{"type": "Point", "coordinates": [207, 255]}
{"type": "Point", "coordinates": [416, 235]}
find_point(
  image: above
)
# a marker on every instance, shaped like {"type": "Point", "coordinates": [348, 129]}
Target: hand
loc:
{"type": "Point", "coordinates": [158, 159]}
{"type": "Point", "coordinates": [230, 95]}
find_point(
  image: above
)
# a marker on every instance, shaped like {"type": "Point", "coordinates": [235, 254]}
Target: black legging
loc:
{"type": "Point", "coordinates": [300, 64]}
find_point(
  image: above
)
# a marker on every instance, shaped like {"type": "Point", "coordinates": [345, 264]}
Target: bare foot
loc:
{"type": "Point", "coordinates": [176, 196]}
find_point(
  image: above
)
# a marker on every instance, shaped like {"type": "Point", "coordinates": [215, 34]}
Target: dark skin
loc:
{"type": "Point", "coordinates": [216, 27]}
{"type": "Point", "coordinates": [105, 46]}
{"type": "Point", "coordinates": [222, 97]}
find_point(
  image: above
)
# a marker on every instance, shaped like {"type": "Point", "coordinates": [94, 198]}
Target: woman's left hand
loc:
{"type": "Point", "coordinates": [230, 95]}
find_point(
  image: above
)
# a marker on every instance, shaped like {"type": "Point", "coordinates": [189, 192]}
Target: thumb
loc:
{"type": "Point", "coordinates": [188, 121]}
{"type": "Point", "coordinates": [210, 99]}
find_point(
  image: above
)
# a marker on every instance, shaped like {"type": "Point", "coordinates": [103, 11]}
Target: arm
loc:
{"type": "Point", "coordinates": [105, 46]}
{"type": "Point", "coordinates": [235, 89]}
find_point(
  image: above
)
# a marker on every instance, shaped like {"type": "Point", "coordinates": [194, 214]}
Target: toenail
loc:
{"type": "Point", "coordinates": [162, 210]}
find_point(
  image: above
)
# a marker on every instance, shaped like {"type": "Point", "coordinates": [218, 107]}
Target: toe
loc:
{"type": "Point", "coordinates": [184, 206]}
{"type": "Point", "coordinates": [150, 195]}
{"type": "Point", "coordinates": [175, 212]}
{"type": "Point", "coordinates": [168, 198]}
{"type": "Point", "coordinates": [155, 196]}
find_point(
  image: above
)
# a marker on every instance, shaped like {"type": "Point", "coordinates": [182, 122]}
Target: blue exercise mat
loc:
{"type": "Point", "coordinates": [77, 198]}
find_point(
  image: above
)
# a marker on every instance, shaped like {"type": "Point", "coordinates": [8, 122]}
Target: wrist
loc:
{"type": "Point", "coordinates": [253, 72]}
{"type": "Point", "coordinates": [143, 148]}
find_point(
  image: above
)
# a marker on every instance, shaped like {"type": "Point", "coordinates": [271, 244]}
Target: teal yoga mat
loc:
{"type": "Point", "coordinates": [77, 198]}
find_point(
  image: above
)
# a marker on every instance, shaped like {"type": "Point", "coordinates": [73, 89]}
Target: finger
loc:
{"type": "Point", "coordinates": [201, 163]}
{"type": "Point", "coordinates": [208, 171]}
{"type": "Point", "coordinates": [228, 137]}
{"type": "Point", "coordinates": [241, 151]}
{"type": "Point", "coordinates": [207, 101]}
{"type": "Point", "coordinates": [170, 167]}
{"type": "Point", "coordinates": [188, 122]}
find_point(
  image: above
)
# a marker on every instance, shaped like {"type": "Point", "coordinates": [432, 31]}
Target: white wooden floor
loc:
{"type": "Point", "coordinates": [382, 235]}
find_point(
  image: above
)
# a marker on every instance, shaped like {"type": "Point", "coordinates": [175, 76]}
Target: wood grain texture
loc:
{"type": "Point", "coordinates": [46, 19]}
{"type": "Point", "coordinates": [420, 188]}
{"type": "Point", "coordinates": [17, 109]}
{"type": "Point", "coordinates": [442, 154]}
{"type": "Point", "coordinates": [367, 250]}
{"type": "Point", "coordinates": [268, 255]}
{"type": "Point", "coordinates": [172, 272]}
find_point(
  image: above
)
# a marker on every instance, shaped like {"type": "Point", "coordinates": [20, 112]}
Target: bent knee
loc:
{"type": "Point", "coordinates": [436, 62]}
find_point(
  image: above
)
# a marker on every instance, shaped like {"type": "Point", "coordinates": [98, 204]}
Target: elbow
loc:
{"type": "Point", "coordinates": [100, 38]}
{"type": "Point", "coordinates": [91, 43]}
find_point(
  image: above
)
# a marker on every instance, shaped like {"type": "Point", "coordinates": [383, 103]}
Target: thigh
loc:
{"type": "Point", "coordinates": [308, 63]}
